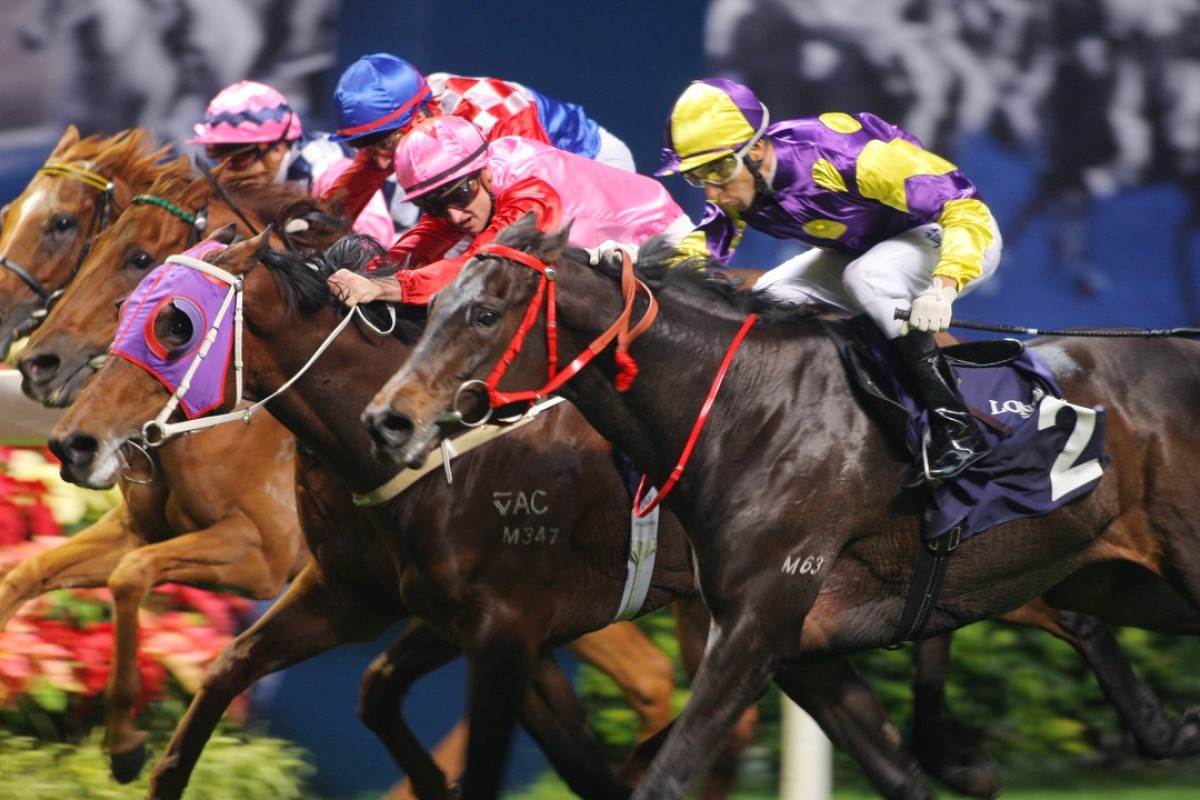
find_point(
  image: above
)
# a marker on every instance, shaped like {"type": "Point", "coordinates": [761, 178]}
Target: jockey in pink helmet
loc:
{"type": "Point", "coordinates": [468, 187]}
{"type": "Point", "coordinates": [253, 130]}
{"type": "Point", "coordinates": [380, 97]}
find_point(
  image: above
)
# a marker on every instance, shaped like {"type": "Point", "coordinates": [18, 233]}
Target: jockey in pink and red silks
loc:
{"type": "Point", "coordinates": [468, 187]}
{"type": "Point", "coordinates": [891, 226]}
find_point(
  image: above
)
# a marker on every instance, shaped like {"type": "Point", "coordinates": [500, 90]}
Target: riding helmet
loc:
{"type": "Point", "coordinates": [248, 112]}
{"type": "Point", "coordinates": [378, 92]}
{"type": "Point", "coordinates": [711, 119]}
{"type": "Point", "coordinates": [438, 151]}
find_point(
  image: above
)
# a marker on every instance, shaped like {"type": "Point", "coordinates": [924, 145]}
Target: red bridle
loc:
{"type": "Point", "coordinates": [545, 296]}
{"type": "Point", "coordinates": [620, 330]}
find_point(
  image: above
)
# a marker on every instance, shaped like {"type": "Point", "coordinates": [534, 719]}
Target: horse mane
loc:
{"type": "Point", "coordinates": [277, 204]}
{"type": "Point", "coordinates": [303, 276]}
{"type": "Point", "coordinates": [700, 280]}
{"type": "Point", "coordinates": [137, 151]}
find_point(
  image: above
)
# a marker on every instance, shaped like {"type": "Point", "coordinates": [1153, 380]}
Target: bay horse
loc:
{"type": "Point", "coordinates": [46, 229]}
{"type": "Point", "coordinates": [804, 543]}
{"type": "Point", "coordinates": [67, 349]}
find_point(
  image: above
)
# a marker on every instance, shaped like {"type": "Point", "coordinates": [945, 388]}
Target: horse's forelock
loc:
{"type": "Point", "coordinates": [137, 152]}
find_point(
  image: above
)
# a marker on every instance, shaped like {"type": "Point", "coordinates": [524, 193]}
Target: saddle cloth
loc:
{"type": "Point", "coordinates": [1045, 451]}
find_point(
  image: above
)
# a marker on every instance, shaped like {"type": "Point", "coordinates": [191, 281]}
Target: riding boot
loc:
{"type": "Point", "coordinates": [955, 441]}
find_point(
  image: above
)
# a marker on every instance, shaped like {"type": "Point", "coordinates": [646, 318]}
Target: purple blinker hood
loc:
{"type": "Point", "coordinates": [199, 296]}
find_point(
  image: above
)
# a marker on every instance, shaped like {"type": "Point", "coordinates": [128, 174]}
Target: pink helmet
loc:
{"type": "Point", "coordinates": [437, 151]}
{"type": "Point", "coordinates": [246, 113]}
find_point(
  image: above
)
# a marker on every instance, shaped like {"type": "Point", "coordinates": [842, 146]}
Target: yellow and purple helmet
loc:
{"type": "Point", "coordinates": [713, 118]}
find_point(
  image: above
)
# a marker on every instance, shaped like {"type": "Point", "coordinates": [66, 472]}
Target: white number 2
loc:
{"type": "Point", "coordinates": [1065, 475]}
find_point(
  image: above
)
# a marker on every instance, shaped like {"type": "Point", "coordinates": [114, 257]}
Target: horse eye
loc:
{"type": "Point", "coordinates": [62, 223]}
{"type": "Point", "coordinates": [173, 330]}
{"type": "Point", "coordinates": [483, 317]}
{"type": "Point", "coordinates": [140, 260]}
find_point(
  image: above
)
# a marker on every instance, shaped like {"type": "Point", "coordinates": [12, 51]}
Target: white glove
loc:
{"type": "Point", "coordinates": [610, 249]}
{"type": "Point", "coordinates": [931, 309]}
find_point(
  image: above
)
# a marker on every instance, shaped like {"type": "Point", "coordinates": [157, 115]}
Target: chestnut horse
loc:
{"type": "Point", "coordinates": [791, 470]}
{"type": "Point", "coordinates": [232, 524]}
{"type": "Point", "coordinates": [448, 555]}
{"type": "Point", "coordinates": [65, 351]}
{"type": "Point", "coordinates": [45, 231]}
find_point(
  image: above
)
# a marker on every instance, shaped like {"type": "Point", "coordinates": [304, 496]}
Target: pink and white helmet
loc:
{"type": "Point", "coordinates": [248, 112]}
{"type": "Point", "coordinates": [438, 151]}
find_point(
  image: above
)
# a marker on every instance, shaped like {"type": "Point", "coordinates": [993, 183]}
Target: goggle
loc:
{"type": "Point", "coordinates": [458, 196]}
{"type": "Point", "coordinates": [383, 140]}
{"type": "Point", "coordinates": [720, 172]}
{"type": "Point", "coordinates": [715, 173]}
{"type": "Point", "coordinates": [239, 156]}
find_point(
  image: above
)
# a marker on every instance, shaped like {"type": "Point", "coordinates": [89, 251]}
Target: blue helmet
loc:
{"type": "Point", "coordinates": [377, 93]}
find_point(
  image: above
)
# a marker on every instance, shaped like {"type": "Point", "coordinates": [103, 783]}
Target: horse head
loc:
{"type": "Point", "coordinates": [470, 323]}
{"type": "Point", "coordinates": [48, 228]}
{"type": "Point", "coordinates": [165, 367]}
{"type": "Point", "coordinates": [175, 211]}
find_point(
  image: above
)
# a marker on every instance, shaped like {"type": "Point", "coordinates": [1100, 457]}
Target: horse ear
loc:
{"type": "Point", "coordinates": [262, 242]}
{"type": "Point", "coordinates": [554, 243]}
{"type": "Point", "coordinates": [70, 137]}
{"type": "Point", "coordinates": [226, 234]}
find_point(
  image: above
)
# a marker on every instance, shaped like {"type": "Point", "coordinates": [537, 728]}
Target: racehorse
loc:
{"type": "Point", "coordinates": [45, 230]}
{"type": "Point", "coordinates": [447, 560]}
{"type": "Point", "coordinates": [65, 351]}
{"type": "Point", "coordinates": [804, 544]}
{"type": "Point", "coordinates": [231, 524]}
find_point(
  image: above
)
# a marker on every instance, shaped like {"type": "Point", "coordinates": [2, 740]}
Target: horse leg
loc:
{"type": "Point", "coordinates": [850, 713]}
{"type": "Point", "coordinates": [555, 718]}
{"type": "Point", "coordinates": [644, 673]}
{"type": "Point", "coordinates": [450, 755]}
{"type": "Point", "coordinates": [733, 675]}
{"type": "Point", "coordinates": [692, 621]}
{"type": "Point", "coordinates": [500, 662]}
{"type": "Point", "coordinates": [312, 617]}
{"type": "Point", "coordinates": [84, 561]}
{"type": "Point", "coordinates": [1157, 734]}
{"type": "Point", "coordinates": [971, 774]}
{"type": "Point", "coordinates": [226, 554]}
{"type": "Point", "coordinates": [418, 651]}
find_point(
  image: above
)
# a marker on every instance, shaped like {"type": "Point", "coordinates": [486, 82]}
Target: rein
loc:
{"type": "Point", "coordinates": [627, 367]}
{"type": "Point", "coordinates": [101, 216]}
{"type": "Point", "coordinates": [157, 431]}
{"type": "Point", "coordinates": [545, 296]}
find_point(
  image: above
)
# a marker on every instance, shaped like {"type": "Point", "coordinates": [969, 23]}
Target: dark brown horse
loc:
{"type": "Point", "coordinates": [500, 580]}
{"type": "Point", "coordinates": [45, 230]}
{"type": "Point", "coordinates": [67, 349]}
{"type": "Point", "coordinates": [803, 541]}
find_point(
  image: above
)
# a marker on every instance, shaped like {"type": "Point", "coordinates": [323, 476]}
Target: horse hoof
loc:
{"type": "Point", "coordinates": [128, 765]}
{"type": "Point", "coordinates": [971, 776]}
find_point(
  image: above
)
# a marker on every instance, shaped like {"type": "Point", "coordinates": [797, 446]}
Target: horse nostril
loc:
{"type": "Point", "coordinates": [388, 428]}
{"type": "Point", "coordinates": [76, 449]}
{"type": "Point", "coordinates": [39, 366]}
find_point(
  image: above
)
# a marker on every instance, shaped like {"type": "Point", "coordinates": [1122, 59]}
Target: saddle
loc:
{"type": "Point", "coordinates": [1034, 465]}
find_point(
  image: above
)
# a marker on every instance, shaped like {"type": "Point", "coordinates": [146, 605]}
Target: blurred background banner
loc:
{"type": "Point", "coordinates": [1078, 119]}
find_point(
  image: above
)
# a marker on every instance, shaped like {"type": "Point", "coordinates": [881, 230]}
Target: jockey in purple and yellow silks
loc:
{"type": "Point", "coordinates": [891, 225]}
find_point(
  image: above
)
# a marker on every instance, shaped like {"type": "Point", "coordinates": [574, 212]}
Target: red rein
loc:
{"type": "Point", "coordinates": [619, 330]}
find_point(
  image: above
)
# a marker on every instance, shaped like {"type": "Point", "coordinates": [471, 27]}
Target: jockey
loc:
{"type": "Point", "coordinates": [380, 96]}
{"type": "Point", "coordinates": [251, 129]}
{"type": "Point", "coordinates": [468, 187]}
{"type": "Point", "coordinates": [891, 225]}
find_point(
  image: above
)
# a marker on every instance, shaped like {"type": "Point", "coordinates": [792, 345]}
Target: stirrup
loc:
{"type": "Point", "coordinates": [922, 476]}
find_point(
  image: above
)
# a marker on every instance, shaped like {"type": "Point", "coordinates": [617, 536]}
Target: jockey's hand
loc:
{"type": "Point", "coordinates": [931, 308]}
{"type": "Point", "coordinates": [609, 250]}
{"type": "Point", "coordinates": [353, 289]}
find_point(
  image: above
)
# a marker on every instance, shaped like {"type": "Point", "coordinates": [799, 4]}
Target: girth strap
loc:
{"type": "Point", "coordinates": [933, 557]}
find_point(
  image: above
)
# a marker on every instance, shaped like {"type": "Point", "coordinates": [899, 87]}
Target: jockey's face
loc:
{"type": "Point", "coordinates": [738, 194]}
{"type": "Point", "coordinates": [261, 161]}
{"type": "Point", "coordinates": [474, 217]}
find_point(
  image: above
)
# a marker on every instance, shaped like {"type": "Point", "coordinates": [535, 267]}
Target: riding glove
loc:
{"type": "Point", "coordinates": [610, 249]}
{"type": "Point", "coordinates": [930, 310]}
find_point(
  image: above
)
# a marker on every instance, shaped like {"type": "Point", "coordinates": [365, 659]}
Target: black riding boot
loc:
{"type": "Point", "coordinates": [955, 441]}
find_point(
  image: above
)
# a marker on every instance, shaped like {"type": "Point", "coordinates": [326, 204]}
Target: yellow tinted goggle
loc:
{"type": "Point", "coordinates": [715, 173]}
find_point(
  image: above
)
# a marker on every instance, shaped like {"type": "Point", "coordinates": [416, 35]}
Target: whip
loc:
{"type": "Point", "coordinates": [1141, 333]}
